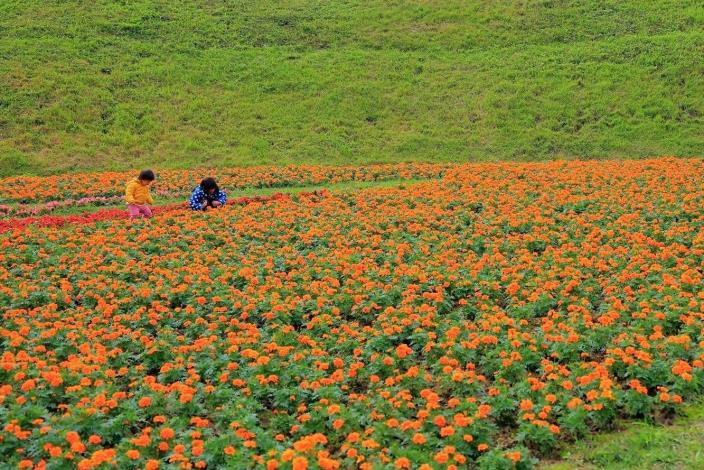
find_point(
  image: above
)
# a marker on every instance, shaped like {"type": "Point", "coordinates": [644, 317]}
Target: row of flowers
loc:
{"type": "Point", "coordinates": [35, 189]}
{"type": "Point", "coordinates": [479, 321]}
{"type": "Point", "coordinates": [50, 206]}
{"type": "Point", "coordinates": [17, 223]}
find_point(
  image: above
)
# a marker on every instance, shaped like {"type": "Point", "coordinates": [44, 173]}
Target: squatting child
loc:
{"type": "Point", "coordinates": [207, 195]}
{"type": "Point", "coordinates": [138, 196]}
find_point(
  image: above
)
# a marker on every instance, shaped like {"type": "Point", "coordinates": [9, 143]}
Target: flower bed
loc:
{"type": "Point", "coordinates": [477, 321]}
{"type": "Point", "coordinates": [20, 223]}
{"type": "Point", "coordinates": [35, 189]}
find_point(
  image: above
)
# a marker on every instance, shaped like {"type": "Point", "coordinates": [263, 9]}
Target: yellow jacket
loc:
{"type": "Point", "coordinates": [137, 193]}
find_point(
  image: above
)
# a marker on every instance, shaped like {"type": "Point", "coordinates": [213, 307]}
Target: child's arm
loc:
{"type": "Point", "coordinates": [222, 197]}
{"type": "Point", "coordinates": [150, 199]}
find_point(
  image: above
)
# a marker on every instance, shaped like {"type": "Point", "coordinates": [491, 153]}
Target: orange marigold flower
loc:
{"type": "Point", "coordinates": [152, 464]}
{"type": "Point", "coordinates": [272, 464]}
{"type": "Point", "coordinates": [144, 402]}
{"type": "Point", "coordinates": [403, 350]}
{"type": "Point", "coordinates": [299, 463]}
{"type": "Point", "coordinates": [441, 457]}
{"type": "Point", "coordinates": [28, 385]}
{"type": "Point", "coordinates": [514, 456]}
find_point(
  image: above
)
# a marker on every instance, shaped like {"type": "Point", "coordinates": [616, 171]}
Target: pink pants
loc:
{"type": "Point", "coordinates": [136, 210]}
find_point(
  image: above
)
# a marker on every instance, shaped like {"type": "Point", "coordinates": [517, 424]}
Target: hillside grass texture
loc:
{"type": "Point", "coordinates": [119, 85]}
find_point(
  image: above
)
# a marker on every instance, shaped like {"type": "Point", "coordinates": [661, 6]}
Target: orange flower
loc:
{"type": "Point", "coordinates": [441, 457]}
{"type": "Point", "coordinates": [152, 464]}
{"type": "Point", "coordinates": [28, 385]}
{"type": "Point", "coordinates": [272, 465]}
{"type": "Point", "coordinates": [403, 350]}
{"type": "Point", "coordinates": [483, 411]}
{"type": "Point", "coordinates": [514, 456]}
{"type": "Point", "coordinates": [299, 463]}
{"type": "Point", "coordinates": [338, 423]}
{"type": "Point", "coordinates": [144, 402]}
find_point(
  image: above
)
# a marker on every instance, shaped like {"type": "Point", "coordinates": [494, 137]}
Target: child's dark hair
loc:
{"type": "Point", "coordinates": [147, 175]}
{"type": "Point", "coordinates": [208, 184]}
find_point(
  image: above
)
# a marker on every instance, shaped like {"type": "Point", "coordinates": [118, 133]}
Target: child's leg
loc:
{"type": "Point", "coordinates": [146, 211]}
{"type": "Point", "coordinates": [133, 210]}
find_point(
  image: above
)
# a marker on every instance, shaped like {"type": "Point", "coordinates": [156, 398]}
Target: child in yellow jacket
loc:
{"type": "Point", "coordinates": [138, 196]}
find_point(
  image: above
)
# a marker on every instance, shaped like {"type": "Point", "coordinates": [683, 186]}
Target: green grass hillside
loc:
{"type": "Point", "coordinates": [118, 84]}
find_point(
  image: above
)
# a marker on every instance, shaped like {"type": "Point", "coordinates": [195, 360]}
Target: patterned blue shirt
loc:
{"type": "Point", "coordinates": [198, 197]}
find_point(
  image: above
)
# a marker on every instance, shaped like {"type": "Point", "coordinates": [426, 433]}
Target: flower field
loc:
{"type": "Point", "coordinates": [475, 321]}
{"type": "Point", "coordinates": [19, 223]}
{"type": "Point", "coordinates": [77, 186]}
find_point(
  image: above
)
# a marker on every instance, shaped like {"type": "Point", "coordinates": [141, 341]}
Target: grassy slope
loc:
{"type": "Point", "coordinates": [643, 447]}
{"type": "Point", "coordinates": [108, 85]}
